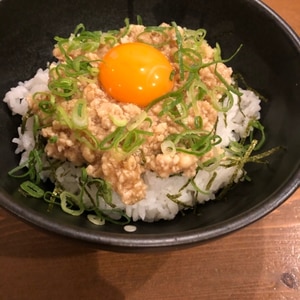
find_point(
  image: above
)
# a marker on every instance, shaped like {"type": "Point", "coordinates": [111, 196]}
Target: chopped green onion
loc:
{"type": "Point", "coordinates": [126, 29]}
{"type": "Point", "coordinates": [87, 138]}
{"type": "Point", "coordinates": [257, 125]}
{"type": "Point", "coordinates": [179, 52]}
{"type": "Point", "coordinates": [130, 228]}
{"type": "Point", "coordinates": [53, 139]}
{"type": "Point", "coordinates": [18, 172]}
{"type": "Point", "coordinates": [168, 147]}
{"type": "Point", "coordinates": [104, 189]}
{"type": "Point", "coordinates": [194, 38]}
{"type": "Point", "coordinates": [197, 188]}
{"type": "Point", "coordinates": [147, 34]}
{"type": "Point", "coordinates": [127, 138]}
{"type": "Point", "coordinates": [139, 20]}
{"type": "Point", "coordinates": [96, 220]}
{"type": "Point", "coordinates": [136, 121]}
{"type": "Point", "coordinates": [113, 139]}
{"type": "Point", "coordinates": [225, 103]}
{"type": "Point", "coordinates": [32, 189]}
{"type": "Point", "coordinates": [228, 86]}
{"type": "Point", "coordinates": [63, 87]}
{"type": "Point", "coordinates": [63, 117]}
{"type": "Point", "coordinates": [118, 122]}
{"type": "Point", "coordinates": [108, 39]}
{"type": "Point", "coordinates": [194, 142]}
{"type": "Point", "coordinates": [198, 122]}
{"type": "Point", "coordinates": [191, 59]}
{"type": "Point", "coordinates": [79, 114]}
{"type": "Point", "coordinates": [71, 204]}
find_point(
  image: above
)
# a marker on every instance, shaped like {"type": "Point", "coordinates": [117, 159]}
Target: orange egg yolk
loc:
{"type": "Point", "coordinates": [135, 73]}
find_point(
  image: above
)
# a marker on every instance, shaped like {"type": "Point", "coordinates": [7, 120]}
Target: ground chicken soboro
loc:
{"type": "Point", "coordinates": [125, 173]}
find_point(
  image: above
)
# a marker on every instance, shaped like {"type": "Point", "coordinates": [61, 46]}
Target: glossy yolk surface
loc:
{"type": "Point", "coordinates": [135, 73]}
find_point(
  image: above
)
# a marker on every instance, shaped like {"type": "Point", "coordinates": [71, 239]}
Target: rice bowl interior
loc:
{"type": "Point", "coordinates": [244, 204]}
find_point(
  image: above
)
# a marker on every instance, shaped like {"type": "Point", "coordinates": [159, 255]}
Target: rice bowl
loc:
{"type": "Point", "coordinates": [175, 178]}
{"type": "Point", "coordinates": [244, 203]}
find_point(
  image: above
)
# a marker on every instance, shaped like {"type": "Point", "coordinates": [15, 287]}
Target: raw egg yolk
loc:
{"type": "Point", "coordinates": [135, 73]}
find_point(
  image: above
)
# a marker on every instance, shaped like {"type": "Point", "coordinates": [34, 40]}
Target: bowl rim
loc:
{"type": "Point", "coordinates": [138, 241]}
{"type": "Point", "coordinates": [135, 240]}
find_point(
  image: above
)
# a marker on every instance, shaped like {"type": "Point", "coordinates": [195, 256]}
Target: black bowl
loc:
{"type": "Point", "coordinates": [269, 61]}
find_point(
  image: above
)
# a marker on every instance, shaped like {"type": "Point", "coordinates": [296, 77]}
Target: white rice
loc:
{"type": "Point", "coordinates": [156, 205]}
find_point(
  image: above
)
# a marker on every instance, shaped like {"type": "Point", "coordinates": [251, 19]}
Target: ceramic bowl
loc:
{"type": "Point", "coordinates": [269, 61]}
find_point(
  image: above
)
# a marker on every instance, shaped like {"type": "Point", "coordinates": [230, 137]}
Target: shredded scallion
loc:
{"type": "Point", "coordinates": [32, 189]}
{"type": "Point", "coordinates": [71, 204]}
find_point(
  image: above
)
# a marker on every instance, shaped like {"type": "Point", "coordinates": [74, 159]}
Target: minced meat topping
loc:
{"type": "Point", "coordinates": [104, 115]}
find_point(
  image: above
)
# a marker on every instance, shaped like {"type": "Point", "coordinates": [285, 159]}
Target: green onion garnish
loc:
{"type": "Point", "coordinates": [32, 189]}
